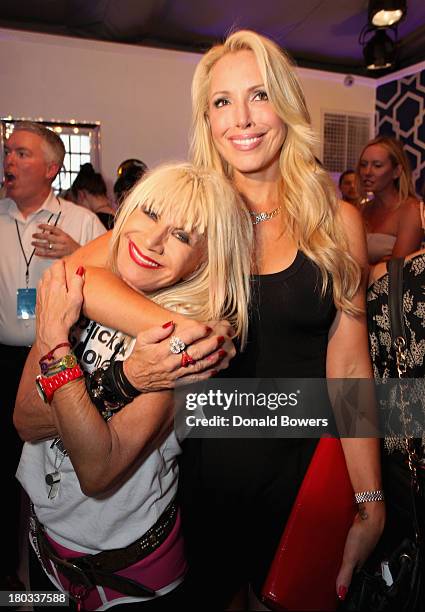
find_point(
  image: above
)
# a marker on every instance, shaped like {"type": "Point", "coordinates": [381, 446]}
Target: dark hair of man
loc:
{"type": "Point", "coordinates": [341, 178]}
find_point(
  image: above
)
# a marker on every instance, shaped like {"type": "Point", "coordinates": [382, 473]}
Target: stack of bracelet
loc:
{"type": "Point", "coordinates": [50, 366]}
{"type": "Point", "coordinates": [109, 388]}
{"type": "Point", "coordinates": [56, 372]}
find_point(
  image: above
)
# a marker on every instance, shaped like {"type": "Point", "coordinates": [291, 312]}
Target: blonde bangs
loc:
{"type": "Point", "coordinates": [219, 288]}
{"type": "Point", "coordinates": [171, 190]}
{"type": "Point", "coordinates": [201, 200]}
{"type": "Point", "coordinates": [178, 194]}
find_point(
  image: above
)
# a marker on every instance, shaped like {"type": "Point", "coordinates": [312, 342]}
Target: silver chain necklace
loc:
{"type": "Point", "coordinates": [264, 216]}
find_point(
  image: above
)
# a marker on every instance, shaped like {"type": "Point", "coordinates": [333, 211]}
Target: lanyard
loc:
{"type": "Point", "coordinates": [28, 261]}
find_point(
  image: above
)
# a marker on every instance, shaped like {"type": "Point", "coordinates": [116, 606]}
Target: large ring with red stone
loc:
{"type": "Point", "coordinates": [187, 360]}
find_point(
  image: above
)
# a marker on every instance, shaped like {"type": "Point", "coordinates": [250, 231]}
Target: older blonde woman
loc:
{"type": "Point", "coordinates": [104, 494]}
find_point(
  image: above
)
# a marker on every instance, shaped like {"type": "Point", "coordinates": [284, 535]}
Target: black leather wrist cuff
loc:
{"type": "Point", "coordinates": [124, 386]}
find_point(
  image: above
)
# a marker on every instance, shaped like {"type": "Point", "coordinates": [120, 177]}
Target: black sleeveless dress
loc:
{"type": "Point", "coordinates": [237, 494]}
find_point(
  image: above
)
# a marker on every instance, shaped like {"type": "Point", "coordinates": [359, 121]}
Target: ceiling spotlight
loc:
{"type": "Point", "coordinates": [384, 13]}
{"type": "Point", "coordinates": [380, 51]}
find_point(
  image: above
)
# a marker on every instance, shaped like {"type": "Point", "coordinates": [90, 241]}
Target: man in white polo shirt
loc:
{"type": "Point", "coordinates": [36, 227]}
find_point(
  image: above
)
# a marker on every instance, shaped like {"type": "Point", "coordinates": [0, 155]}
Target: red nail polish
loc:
{"type": "Point", "coordinates": [80, 271]}
{"type": "Point", "coordinates": [342, 592]}
{"type": "Point", "coordinates": [220, 340]}
{"type": "Point", "coordinates": [222, 353]}
{"type": "Point", "coordinates": [168, 324]}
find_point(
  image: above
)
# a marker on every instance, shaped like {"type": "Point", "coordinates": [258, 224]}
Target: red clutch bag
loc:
{"type": "Point", "coordinates": [304, 569]}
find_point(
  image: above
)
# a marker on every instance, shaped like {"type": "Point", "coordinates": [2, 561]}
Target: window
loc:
{"type": "Point", "coordinates": [344, 136]}
{"type": "Point", "coordinates": [82, 144]}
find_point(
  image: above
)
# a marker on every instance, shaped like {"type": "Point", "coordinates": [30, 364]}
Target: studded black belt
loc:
{"type": "Point", "coordinates": [99, 569]}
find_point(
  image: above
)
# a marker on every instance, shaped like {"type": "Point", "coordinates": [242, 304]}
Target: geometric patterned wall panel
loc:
{"type": "Point", "coordinates": [400, 112]}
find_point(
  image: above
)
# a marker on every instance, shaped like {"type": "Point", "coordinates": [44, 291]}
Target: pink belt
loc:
{"type": "Point", "coordinates": [159, 570]}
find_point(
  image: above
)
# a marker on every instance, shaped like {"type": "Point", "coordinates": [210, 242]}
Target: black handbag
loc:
{"type": "Point", "coordinates": [368, 590]}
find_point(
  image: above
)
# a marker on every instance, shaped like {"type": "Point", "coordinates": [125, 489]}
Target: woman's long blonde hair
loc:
{"type": "Point", "coordinates": [202, 200]}
{"type": "Point", "coordinates": [394, 148]}
{"type": "Point", "coordinates": [308, 194]}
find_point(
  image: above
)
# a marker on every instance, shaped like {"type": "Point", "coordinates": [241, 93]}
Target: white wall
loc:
{"type": "Point", "coordinates": [140, 96]}
{"type": "Point", "coordinates": [327, 92]}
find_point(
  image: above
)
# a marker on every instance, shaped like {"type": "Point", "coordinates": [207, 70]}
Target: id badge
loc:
{"type": "Point", "coordinates": [26, 303]}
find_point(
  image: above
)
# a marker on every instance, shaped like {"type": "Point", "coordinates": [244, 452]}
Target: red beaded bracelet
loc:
{"type": "Point", "coordinates": [49, 356]}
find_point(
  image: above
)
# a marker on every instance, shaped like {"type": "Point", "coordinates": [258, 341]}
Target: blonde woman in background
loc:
{"type": "Point", "coordinates": [251, 124]}
{"type": "Point", "coordinates": [392, 217]}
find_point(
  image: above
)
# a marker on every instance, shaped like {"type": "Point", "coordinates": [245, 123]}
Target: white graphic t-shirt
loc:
{"type": "Point", "coordinates": [88, 524]}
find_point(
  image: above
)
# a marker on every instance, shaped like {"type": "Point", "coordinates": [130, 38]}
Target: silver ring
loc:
{"type": "Point", "coordinates": [50, 246]}
{"type": "Point", "coordinates": [176, 345]}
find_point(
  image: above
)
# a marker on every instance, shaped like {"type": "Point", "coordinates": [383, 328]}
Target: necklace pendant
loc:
{"type": "Point", "coordinates": [264, 216]}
